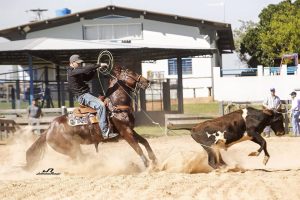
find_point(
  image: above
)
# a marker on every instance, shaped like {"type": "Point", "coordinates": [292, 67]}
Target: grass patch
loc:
{"type": "Point", "coordinates": [202, 108]}
{"type": "Point", "coordinates": [156, 131]}
{"type": "Point", "coordinates": [199, 108]}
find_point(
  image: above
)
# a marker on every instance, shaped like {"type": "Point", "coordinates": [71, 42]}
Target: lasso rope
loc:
{"type": "Point", "coordinates": [108, 72]}
{"type": "Point", "coordinates": [105, 71]}
{"type": "Point", "coordinates": [110, 60]}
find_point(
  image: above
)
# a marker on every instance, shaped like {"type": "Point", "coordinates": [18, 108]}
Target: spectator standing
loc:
{"type": "Point", "coordinates": [34, 113]}
{"type": "Point", "coordinates": [272, 103]}
{"type": "Point", "coordinates": [295, 112]}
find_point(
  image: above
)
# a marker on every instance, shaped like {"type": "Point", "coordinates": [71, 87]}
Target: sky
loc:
{"type": "Point", "coordinates": [15, 12]}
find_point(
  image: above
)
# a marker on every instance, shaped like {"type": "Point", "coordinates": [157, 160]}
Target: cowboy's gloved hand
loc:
{"type": "Point", "coordinates": [103, 66]}
{"type": "Point", "coordinates": [102, 98]}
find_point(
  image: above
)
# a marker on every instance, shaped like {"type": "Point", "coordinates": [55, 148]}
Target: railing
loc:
{"type": "Point", "coordinates": [239, 72]}
{"type": "Point", "coordinates": [276, 70]}
{"type": "Point", "coordinates": [19, 117]}
{"type": "Point", "coordinates": [291, 70]}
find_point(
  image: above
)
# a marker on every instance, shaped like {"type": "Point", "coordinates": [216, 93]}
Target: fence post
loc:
{"type": "Point", "coordinates": [166, 124]}
{"type": "Point", "coordinates": [13, 98]}
{"type": "Point", "coordinates": [63, 110]}
{"type": "Point", "coordinates": [260, 70]}
{"type": "Point", "coordinates": [283, 71]}
{"type": "Point", "coordinates": [221, 108]}
{"type": "Point", "coordinates": [166, 95]}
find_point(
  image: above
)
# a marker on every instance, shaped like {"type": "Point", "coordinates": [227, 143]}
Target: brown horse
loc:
{"type": "Point", "coordinates": [66, 139]}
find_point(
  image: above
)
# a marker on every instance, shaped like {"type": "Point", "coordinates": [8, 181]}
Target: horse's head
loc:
{"type": "Point", "coordinates": [131, 79]}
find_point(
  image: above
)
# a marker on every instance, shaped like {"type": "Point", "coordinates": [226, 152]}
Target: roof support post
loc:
{"type": "Point", "coordinates": [47, 90]}
{"type": "Point", "coordinates": [58, 84]}
{"type": "Point", "coordinates": [216, 60]}
{"type": "Point", "coordinates": [31, 95]}
{"type": "Point", "coordinates": [18, 93]}
{"type": "Point", "coordinates": [179, 85]}
{"type": "Point", "coordinates": [138, 68]}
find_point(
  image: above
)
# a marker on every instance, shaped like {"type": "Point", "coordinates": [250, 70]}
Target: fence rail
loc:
{"type": "Point", "coordinates": [10, 118]}
{"type": "Point", "coordinates": [290, 70]}
{"type": "Point", "coordinates": [7, 127]}
{"type": "Point", "coordinates": [177, 121]}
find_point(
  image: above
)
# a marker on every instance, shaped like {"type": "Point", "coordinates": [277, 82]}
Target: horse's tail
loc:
{"type": "Point", "coordinates": [36, 151]}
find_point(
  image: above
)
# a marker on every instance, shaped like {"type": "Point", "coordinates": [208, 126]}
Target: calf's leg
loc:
{"type": "Point", "coordinates": [204, 141]}
{"type": "Point", "coordinates": [258, 139]}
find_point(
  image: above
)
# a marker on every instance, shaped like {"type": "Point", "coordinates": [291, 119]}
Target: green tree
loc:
{"type": "Point", "coordinates": [277, 33]}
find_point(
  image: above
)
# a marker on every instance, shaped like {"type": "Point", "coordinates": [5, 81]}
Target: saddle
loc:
{"type": "Point", "coordinates": [86, 115]}
{"type": "Point", "coordinates": [82, 115]}
{"type": "Point", "coordinates": [83, 110]}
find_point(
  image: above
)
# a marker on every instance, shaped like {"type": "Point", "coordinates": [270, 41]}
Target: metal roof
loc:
{"type": "Point", "coordinates": [225, 42]}
{"type": "Point", "coordinates": [58, 51]}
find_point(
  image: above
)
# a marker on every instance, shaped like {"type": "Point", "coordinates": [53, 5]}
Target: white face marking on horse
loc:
{"type": "Point", "coordinates": [245, 113]}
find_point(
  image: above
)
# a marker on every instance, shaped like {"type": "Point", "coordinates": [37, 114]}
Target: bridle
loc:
{"type": "Point", "coordinates": [137, 81]}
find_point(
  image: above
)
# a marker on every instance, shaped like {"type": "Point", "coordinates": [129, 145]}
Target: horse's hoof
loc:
{"type": "Point", "coordinates": [153, 167]}
{"type": "Point", "coordinates": [255, 153]}
{"type": "Point", "coordinates": [266, 159]}
{"type": "Point", "coordinates": [154, 162]}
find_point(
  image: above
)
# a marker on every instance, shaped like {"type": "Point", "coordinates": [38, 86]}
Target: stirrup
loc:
{"type": "Point", "coordinates": [109, 135]}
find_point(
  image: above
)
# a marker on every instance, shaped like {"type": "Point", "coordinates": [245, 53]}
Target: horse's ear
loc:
{"type": "Point", "coordinates": [268, 112]}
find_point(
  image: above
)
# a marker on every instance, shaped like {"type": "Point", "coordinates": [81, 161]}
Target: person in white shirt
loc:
{"type": "Point", "coordinates": [271, 103]}
{"type": "Point", "coordinates": [295, 112]}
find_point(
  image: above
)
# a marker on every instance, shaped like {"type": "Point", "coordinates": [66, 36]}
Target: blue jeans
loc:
{"type": "Point", "coordinates": [89, 100]}
{"type": "Point", "coordinates": [295, 122]}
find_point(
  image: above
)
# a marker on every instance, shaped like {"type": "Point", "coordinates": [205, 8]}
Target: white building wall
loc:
{"type": "Point", "coordinates": [253, 88]}
{"type": "Point", "coordinates": [154, 32]}
{"type": "Point", "coordinates": [195, 85]}
{"type": "Point", "coordinates": [69, 31]}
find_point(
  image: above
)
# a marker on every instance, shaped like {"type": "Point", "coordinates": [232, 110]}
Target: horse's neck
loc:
{"type": "Point", "coordinates": [121, 95]}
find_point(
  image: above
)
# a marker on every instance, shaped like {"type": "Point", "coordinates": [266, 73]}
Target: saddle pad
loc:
{"type": "Point", "coordinates": [83, 110]}
{"type": "Point", "coordinates": [74, 120]}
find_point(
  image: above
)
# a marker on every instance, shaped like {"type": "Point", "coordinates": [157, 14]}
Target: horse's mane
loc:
{"type": "Point", "coordinates": [117, 69]}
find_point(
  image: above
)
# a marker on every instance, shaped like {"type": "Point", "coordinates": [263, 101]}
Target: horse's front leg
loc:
{"type": "Point", "coordinates": [144, 142]}
{"type": "Point", "coordinates": [127, 134]}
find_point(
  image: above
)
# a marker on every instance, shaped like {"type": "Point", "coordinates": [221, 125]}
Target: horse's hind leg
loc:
{"type": "Point", "coordinates": [63, 146]}
{"type": "Point", "coordinates": [144, 142]}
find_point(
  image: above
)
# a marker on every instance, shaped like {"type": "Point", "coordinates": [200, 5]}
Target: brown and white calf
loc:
{"type": "Point", "coordinates": [240, 125]}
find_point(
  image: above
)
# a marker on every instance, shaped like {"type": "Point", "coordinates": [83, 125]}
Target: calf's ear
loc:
{"type": "Point", "coordinates": [268, 112]}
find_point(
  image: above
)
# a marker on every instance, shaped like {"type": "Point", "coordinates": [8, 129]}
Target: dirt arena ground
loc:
{"type": "Point", "coordinates": [116, 172]}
